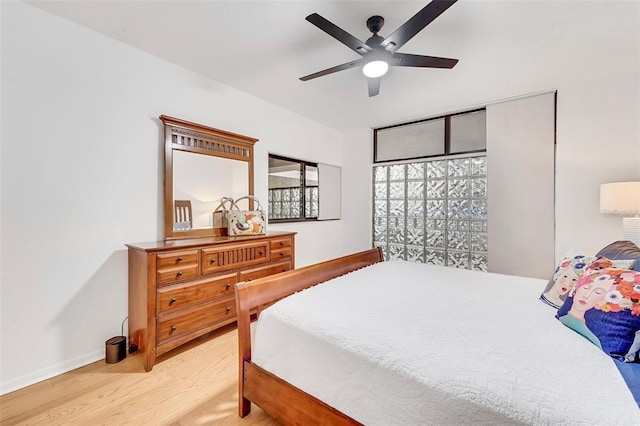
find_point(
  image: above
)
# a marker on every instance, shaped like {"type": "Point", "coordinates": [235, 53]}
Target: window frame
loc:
{"type": "Point", "coordinates": [303, 186]}
{"type": "Point", "coordinates": [446, 141]}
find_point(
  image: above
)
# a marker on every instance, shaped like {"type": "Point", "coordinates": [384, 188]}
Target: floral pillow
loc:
{"type": "Point", "coordinates": [570, 269]}
{"type": "Point", "coordinates": [604, 306]}
{"type": "Point", "coordinates": [566, 275]}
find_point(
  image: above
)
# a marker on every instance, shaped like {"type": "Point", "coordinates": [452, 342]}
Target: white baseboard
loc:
{"type": "Point", "coordinates": [49, 372]}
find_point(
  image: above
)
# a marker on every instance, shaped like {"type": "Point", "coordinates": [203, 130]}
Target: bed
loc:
{"type": "Point", "coordinates": [407, 343]}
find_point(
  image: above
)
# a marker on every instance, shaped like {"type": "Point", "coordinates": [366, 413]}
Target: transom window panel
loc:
{"type": "Point", "coordinates": [433, 212]}
{"type": "Point", "coordinates": [468, 132]}
{"type": "Point", "coordinates": [424, 139]}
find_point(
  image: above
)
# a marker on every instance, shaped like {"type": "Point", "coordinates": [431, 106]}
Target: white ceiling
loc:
{"type": "Point", "coordinates": [263, 47]}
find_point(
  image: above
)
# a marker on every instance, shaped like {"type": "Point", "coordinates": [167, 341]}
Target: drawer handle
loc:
{"type": "Point", "coordinates": [228, 286]}
{"type": "Point", "coordinates": [281, 253]}
{"type": "Point", "coordinates": [212, 261]}
{"type": "Point", "coordinates": [261, 252]}
{"type": "Point", "coordinates": [179, 259]}
{"type": "Point", "coordinates": [172, 301]}
{"type": "Point", "coordinates": [281, 243]}
{"type": "Point", "coordinates": [249, 279]}
{"type": "Point", "coordinates": [179, 273]}
{"type": "Point", "coordinates": [228, 309]}
{"type": "Point", "coordinates": [173, 328]}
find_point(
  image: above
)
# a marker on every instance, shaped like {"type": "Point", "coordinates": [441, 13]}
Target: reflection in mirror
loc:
{"type": "Point", "coordinates": [183, 219]}
{"type": "Point", "coordinates": [204, 180]}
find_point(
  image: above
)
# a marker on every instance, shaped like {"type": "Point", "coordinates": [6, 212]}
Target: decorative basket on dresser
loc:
{"type": "Point", "coordinates": [182, 289]}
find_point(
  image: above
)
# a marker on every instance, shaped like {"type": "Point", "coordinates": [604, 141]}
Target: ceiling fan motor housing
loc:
{"type": "Point", "coordinates": [375, 23]}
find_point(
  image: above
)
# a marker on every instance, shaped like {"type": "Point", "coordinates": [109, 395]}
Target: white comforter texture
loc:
{"type": "Point", "coordinates": [401, 343]}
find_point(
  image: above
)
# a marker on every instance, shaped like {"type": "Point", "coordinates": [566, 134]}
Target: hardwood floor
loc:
{"type": "Point", "coordinates": [197, 386]}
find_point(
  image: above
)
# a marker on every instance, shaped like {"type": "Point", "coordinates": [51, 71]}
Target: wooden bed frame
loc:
{"type": "Point", "coordinates": [278, 398]}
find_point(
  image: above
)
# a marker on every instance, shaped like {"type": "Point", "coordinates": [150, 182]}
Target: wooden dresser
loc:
{"type": "Point", "coordinates": [182, 289]}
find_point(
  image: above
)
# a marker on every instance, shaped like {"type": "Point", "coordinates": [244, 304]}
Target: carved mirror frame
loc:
{"type": "Point", "coordinates": [181, 135]}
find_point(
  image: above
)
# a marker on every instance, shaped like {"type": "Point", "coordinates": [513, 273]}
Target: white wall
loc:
{"type": "Point", "coordinates": [598, 141]}
{"type": "Point", "coordinates": [81, 174]}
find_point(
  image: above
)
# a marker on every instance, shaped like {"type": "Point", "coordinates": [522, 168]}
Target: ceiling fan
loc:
{"type": "Point", "coordinates": [379, 53]}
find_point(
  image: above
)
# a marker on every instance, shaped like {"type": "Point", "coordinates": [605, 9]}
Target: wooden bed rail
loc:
{"type": "Point", "coordinates": [252, 296]}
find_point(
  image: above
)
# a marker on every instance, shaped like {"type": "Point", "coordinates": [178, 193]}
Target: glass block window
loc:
{"type": "Point", "coordinates": [284, 203]}
{"type": "Point", "coordinates": [311, 201]}
{"type": "Point", "coordinates": [432, 211]}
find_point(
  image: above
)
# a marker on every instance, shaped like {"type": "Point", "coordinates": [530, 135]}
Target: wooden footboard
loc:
{"type": "Point", "coordinates": [283, 401]}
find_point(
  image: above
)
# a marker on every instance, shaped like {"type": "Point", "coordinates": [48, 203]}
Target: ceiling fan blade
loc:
{"type": "Point", "coordinates": [414, 25]}
{"type": "Point", "coordinates": [374, 86]}
{"type": "Point", "coordinates": [339, 34]}
{"type": "Point", "coordinates": [332, 70]}
{"type": "Point", "coordinates": [409, 60]}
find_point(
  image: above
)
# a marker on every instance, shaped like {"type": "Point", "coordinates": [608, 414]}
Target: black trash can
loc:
{"type": "Point", "coordinates": [116, 349]}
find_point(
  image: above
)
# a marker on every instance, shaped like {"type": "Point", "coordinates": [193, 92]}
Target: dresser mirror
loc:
{"type": "Point", "coordinates": [202, 165]}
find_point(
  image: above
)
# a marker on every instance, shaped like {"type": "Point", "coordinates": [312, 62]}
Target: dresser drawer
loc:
{"type": "Point", "coordinates": [176, 258]}
{"type": "Point", "coordinates": [264, 271]}
{"type": "Point", "coordinates": [217, 259]}
{"type": "Point", "coordinates": [185, 294]}
{"type": "Point", "coordinates": [278, 243]}
{"type": "Point", "coordinates": [281, 253]}
{"type": "Point", "coordinates": [177, 274]}
{"type": "Point", "coordinates": [173, 326]}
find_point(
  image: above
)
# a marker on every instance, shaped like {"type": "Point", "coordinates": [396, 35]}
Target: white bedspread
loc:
{"type": "Point", "coordinates": [402, 343]}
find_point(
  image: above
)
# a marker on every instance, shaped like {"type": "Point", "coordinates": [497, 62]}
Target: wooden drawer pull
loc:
{"type": "Point", "coordinates": [172, 301]}
{"type": "Point", "coordinates": [179, 259]}
{"type": "Point", "coordinates": [179, 273]}
{"type": "Point", "coordinates": [212, 261]}
{"type": "Point", "coordinates": [228, 309]}
{"type": "Point", "coordinates": [281, 243]}
{"type": "Point", "coordinates": [228, 286]}
{"type": "Point", "coordinates": [261, 252]}
{"type": "Point", "coordinates": [249, 279]}
{"type": "Point", "coordinates": [173, 328]}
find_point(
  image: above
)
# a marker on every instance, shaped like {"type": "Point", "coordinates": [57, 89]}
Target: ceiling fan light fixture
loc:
{"type": "Point", "coordinates": [376, 68]}
{"type": "Point", "coordinates": [378, 53]}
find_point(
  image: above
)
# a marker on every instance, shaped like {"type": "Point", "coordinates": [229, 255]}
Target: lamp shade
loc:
{"type": "Point", "coordinates": [620, 199]}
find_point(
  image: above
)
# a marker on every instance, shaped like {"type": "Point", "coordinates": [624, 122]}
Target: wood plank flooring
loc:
{"type": "Point", "coordinates": [193, 385]}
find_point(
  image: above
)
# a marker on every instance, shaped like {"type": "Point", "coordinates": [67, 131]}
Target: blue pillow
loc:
{"type": "Point", "coordinates": [604, 306]}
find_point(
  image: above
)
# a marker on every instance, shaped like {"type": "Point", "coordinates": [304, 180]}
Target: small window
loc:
{"type": "Point", "coordinates": [293, 189]}
{"type": "Point", "coordinates": [417, 140]}
{"type": "Point", "coordinates": [434, 137]}
{"type": "Point", "coordinates": [468, 132]}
